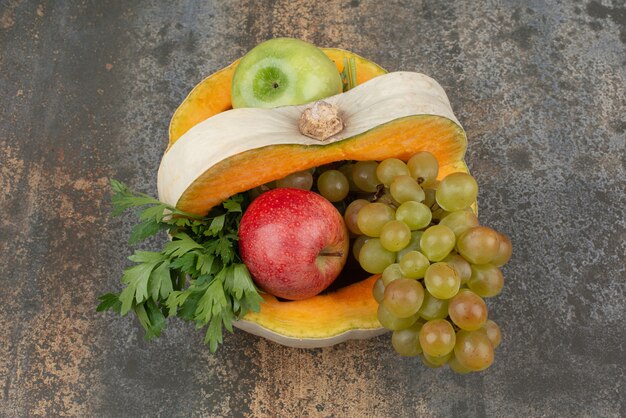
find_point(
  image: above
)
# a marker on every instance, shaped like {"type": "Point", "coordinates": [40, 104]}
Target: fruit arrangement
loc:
{"type": "Point", "coordinates": [311, 198]}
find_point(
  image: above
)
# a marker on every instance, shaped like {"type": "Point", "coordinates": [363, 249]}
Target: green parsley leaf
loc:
{"type": "Point", "coordinates": [232, 205]}
{"type": "Point", "coordinates": [213, 335]}
{"type": "Point", "coordinates": [138, 277]}
{"type": "Point", "coordinates": [126, 298]}
{"type": "Point", "coordinates": [186, 263]}
{"type": "Point", "coordinates": [194, 277]}
{"type": "Point", "coordinates": [151, 318]}
{"type": "Point", "coordinates": [176, 299]}
{"type": "Point", "coordinates": [155, 213]}
{"type": "Point", "coordinates": [109, 301]}
{"type": "Point", "coordinates": [144, 230]}
{"type": "Point", "coordinates": [204, 265]}
{"type": "Point", "coordinates": [180, 245]}
{"type": "Point", "coordinates": [217, 224]}
{"type": "Point", "coordinates": [212, 302]}
{"type": "Point", "coordinates": [160, 282]}
{"type": "Point", "coordinates": [124, 199]}
{"type": "Point", "coordinates": [147, 257]}
{"type": "Point", "coordinates": [224, 248]}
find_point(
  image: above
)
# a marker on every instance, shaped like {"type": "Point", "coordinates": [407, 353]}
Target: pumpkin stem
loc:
{"type": "Point", "coordinates": [320, 121]}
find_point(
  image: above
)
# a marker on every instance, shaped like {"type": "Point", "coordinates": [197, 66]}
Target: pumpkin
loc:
{"type": "Point", "coordinates": [215, 152]}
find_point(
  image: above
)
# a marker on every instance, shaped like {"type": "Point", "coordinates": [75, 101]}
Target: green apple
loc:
{"type": "Point", "coordinates": [283, 72]}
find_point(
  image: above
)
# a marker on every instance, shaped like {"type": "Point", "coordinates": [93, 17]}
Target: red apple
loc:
{"type": "Point", "coordinates": [294, 242]}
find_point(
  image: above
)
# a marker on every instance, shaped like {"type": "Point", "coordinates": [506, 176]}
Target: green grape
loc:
{"type": "Point", "coordinates": [358, 244]}
{"type": "Point", "coordinates": [416, 215]}
{"type": "Point", "coordinates": [493, 333]}
{"type": "Point", "coordinates": [374, 258]}
{"type": "Point", "coordinates": [478, 245]}
{"type": "Point", "coordinates": [438, 361]}
{"type": "Point", "coordinates": [457, 367]}
{"type": "Point", "coordinates": [350, 215]}
{"type": "Point", "coordinates": [437, 242]}
{"type": "Point", "coordinates": [473, 350]}
{"type": "Point", "coordinates": [433, 308]}
{"type": "Point", "coordinates": [298, 180]}
{"type": "Point", "coordinates": [364, 176]}
{"type": "Point", "coordinates": [258, 191]}
{"type": "Point", "coordinates": [456, 191]}
{"type": "Point", "coordinates": [428, 364]}
{"type": "Point", "coordinates": [389, 169]}
{"type": "Point", "coordinates": [395, 235]}
{"type": "Point", "coordinates": [389, 321]}
{"type": "Point", "coordinates": [424, 167]}
{"type": "Point", "coordinates": [391, 272]}
{"type": "Point", "coordinates": [378, 291]}
{"type": "Point", "coordinates": [460, 221]}
{"type": "Point", "coordinates": [346, 170]}
{"type": "Point", "coordinates": [486, 280]}
{"type": "Point", "coordinates": [429, 197]}
{"type": "Point", "coordinates": [372, 217]}
{"type": "Point", "coordinates": [333, 185]}
{"type": "Point", "coordinates": [437, 337]}
{"type": "Point", "coordinates": [505, 250]}
{"type": "Point", "coordinates": [403, 297]}
{"type": "Point", "coordinates": [414, 244]}
{"type": "Point", "coordinates": [442, 281]}
{"type": "Point", "coordinates": [406, 341]}
{"type": "Point", "coordinates": [405, 189]}
{"type": "Point", "coordinates": [414, 264]}
{"type": "Point", "coordinates": [467, 310]}
{"type": "Point", "coordinates": [460, 265]}
{"type": "Point", "coordinates": [438, 213]}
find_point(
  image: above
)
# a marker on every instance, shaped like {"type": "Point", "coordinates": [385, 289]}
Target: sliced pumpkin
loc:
{"type": "Point", "coordinates": [324, 320]}
{"type": "Point", "coordinates": [393, 115]}
{"type": "Point", "coordinates": [215, 151]}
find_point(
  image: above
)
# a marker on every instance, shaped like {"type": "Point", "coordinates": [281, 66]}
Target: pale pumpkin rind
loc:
{"type": "Point", "coordinates": [350, 312]}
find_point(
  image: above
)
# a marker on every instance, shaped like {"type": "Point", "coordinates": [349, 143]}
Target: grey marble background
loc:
{"type": "Point", "coordinates": [86, 92]}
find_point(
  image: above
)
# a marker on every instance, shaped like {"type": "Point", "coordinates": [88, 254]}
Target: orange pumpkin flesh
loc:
{"type": "Point", "coordinates": [400, 138]}
{"type": "Point", "coordinates": [328, 318]}
{"type": "Point", "coordinates": [312, 318]}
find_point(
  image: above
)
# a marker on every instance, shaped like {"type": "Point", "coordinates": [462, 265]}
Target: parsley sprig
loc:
{"type": "Point", "coordinates": [197, 276]}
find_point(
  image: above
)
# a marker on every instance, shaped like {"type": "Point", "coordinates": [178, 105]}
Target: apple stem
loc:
{"type": "Point", "coordinates": [335, 254]}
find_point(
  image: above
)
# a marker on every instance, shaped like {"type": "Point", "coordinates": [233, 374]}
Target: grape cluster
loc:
{"type": "Point", "coordinates": [436, 261]}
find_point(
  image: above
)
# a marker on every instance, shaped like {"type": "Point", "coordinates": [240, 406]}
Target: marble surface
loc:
{"type": "Point", "coordinates": [86, 92]}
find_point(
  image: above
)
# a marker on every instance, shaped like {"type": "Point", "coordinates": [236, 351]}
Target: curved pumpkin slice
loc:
{"type": "Point", "coordinates": [212, 95]}
{"type": "Point", "coordinates": [394, 115]}
{"type": "Point", "coordinates": [312, 322]}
